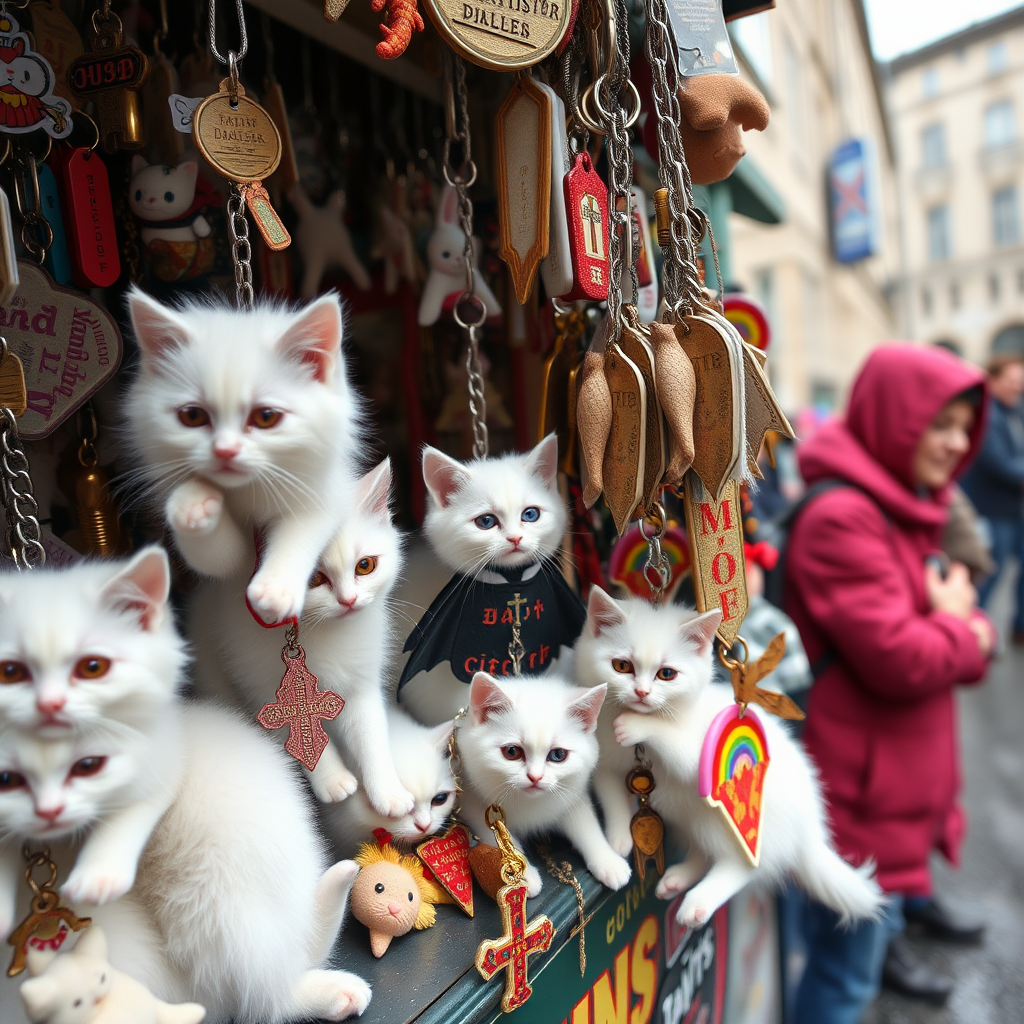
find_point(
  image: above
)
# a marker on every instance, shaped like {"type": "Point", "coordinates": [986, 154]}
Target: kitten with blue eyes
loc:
{"type": "Point", "coordinates": [529, 744]}
{"type": "Point", "coordinates": [420, 754]}
{"type": "Point", "coordinates": [243, 420]}
{"type": "Point", "coordinates": [657, 663]}
{"type": "Point", "coordinates": [498, 524]}
{"type": "Point", "coordinates": [347, 634]}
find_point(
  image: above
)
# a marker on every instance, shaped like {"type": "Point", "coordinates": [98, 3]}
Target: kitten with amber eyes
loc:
{"type": "Point", "coordinates": [347, 633]}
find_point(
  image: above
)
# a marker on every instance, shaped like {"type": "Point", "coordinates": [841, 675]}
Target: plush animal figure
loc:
{"type": "Point", "coordinates": [324, 241]}
{"type": "Point", "coordinates": [80, 987]}
{"type": "Point", "coordinates": [390, 895]}
{"type": "Point", "coordinates": [446, 256]}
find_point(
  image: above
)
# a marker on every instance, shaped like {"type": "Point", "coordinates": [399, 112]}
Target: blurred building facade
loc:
{"type": "Point", "coordinates": [956, 109]}
{"type": "Point", "coordinates": [812, 60]}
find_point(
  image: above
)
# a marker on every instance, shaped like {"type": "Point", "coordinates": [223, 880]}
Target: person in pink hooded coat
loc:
{"type": "Point", "coordinates": [890, 639]}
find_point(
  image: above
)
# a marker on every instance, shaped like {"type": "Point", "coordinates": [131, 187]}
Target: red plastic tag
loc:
{"type": "Point", "coordinates": [586, 206]}
{"type": "Point", "coordinates": [92, 237]}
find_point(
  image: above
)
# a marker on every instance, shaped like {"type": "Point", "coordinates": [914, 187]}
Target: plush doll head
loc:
{"type": "Point", "coordinates": [161, 193]}
{"type": "Point", "coordinates": [390, 895]}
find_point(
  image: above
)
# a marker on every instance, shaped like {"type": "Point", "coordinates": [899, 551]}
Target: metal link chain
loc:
{"type": "Point", "coordinates": [682, 285]}
{"type": "Point", "coordinates": [23, 537]}
{"type": "Point", "coordinates": [36, 233]}
{"type": "Point", "coordinates": [461, 178]}
{"type": "Point", "coordinates": [241, 250]}
{"type": "Point", "coordinates": [657, 568]}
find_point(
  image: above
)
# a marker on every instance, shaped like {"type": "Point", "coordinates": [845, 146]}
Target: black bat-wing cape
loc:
{"type": "Point", "coordinates": [469, 624]}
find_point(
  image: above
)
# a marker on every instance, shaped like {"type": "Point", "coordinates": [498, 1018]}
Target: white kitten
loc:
{"type": "Point", "coordinates": [347, 635]}
{"type": "Point", "coordinates": [529, 745]}
{"type": "Point", "coordinates": [88, 643]}
{"type": "Point", "coordinates": [490, 520]}
{"type": "Point", "coordinates": [657, 663]}
{"type": "Point", "coordinates": [245, 419]}
{"type": "Point", "coordinates": [421, 759]}
{"type": "Point", "coordinates": [232, 877]}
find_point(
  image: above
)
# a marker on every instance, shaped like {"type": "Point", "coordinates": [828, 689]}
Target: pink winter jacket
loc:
{"type": "Point", "coordinates": [881, 723]}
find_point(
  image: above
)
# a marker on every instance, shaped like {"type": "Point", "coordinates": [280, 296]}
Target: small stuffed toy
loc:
{"type": "Point", "coordinates": [324, 241]}
{"type": "Point", "coordinates": [80, 987]}
{"type": "Point", "coordinates": [391, 894]}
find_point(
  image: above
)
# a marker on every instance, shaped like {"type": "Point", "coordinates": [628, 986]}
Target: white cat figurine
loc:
{"type": "Point", "coordinates": [346, 631]}
{"type": "Point", "coordinates": [657, 664]}
{"type": "Point", "coordinates": [529, 746]}
{"type": "Point", "coordinates": [498, 523]}
{"type": "Point", "coordinates": [161, 195]}
{"type": "Point", "coordinates": [80, 987]}
{"type": "Point", "coordinates": [420, 755]}
{"type": "Point", "coordinates": [242, 420]}
{"type": "Point", "coordinates": [446, 258]}
{"type": "Point", "coordinates": [324, 241]}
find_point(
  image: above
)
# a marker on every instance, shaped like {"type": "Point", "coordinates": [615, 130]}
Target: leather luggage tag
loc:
{"type": "Point", "coordinates": [593, 415]}
{"type": "Point", "coordinates": [624, 456]}
{"type": "Point", "coordinates": [69, 346]}
{"type": "Point", "coordinates": [586, 206]}
{"type": "Point", "coordinates": [556, 267]}
{"type": "Point", "coordinates": [636, 347]}
{"type": "Point", "coordinates": [763, 412]}
{"type": "Point", "coordinates": [677, 390]}
{"type": "Point", "coordinates": [715, 532]}
{"type": "Point", "coordinates": [717, 441]}
{"type": "Point", "coordinates": [524, 181]}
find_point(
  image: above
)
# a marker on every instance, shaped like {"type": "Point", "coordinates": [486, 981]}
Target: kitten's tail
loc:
{"type": "Point", "coordinates": [331, 902]}
{"type": "Point", "coordinates": [851, 892]}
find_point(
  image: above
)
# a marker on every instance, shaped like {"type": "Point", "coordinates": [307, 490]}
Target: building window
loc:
{"type": "Point", "coordinates": [993, 287]}
{"type": "Point", "coordinates": [998, 57]}
{"type": "Point", "coordinates": [926, 301]}
{"type": "Point", "coordinates": [999, 125]}
{"type": "Point", "coordinates": [954, 294]}
{"type": "Point", "coordinates": [1005, 228]}
{"type": "Point", "coordinates": [933, 145]}
{"type": "Point", "coordinates": [939, 242]}
{"type": "Point", "coordinates": [930, 82]}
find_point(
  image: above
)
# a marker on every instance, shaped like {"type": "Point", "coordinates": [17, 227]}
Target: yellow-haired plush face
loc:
{"type": "Point", "coordinates": [390, 895]}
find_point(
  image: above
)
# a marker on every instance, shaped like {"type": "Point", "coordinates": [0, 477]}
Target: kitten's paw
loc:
{"type": "Point", "coordinates": [95, 888]}
{"type": "Point", "coordinates": [273, 599]}
{"type": "Point", "coordinates": [195, 507]}
{"type": "Point", "coordinates": [621, 840]}
{"type": "Point", "coordinates": [392, 800]}
{"type": "Point", "coordinates": [694, 913]}
{"type": "Point", "coordinates": [534, 882]}
{"type": "Point", "coordinates": [349, 998]}
{"type": "Point", "coordinates": [630, 729]}
{"type": "Point", "coordinates": [612, 872]}
{"type": "Point", "coordinates": [678, 878]}
{"type": "Point", "coordinates": [333, 787]}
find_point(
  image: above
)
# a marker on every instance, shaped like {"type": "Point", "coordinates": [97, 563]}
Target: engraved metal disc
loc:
{"type": "Point", "coordinates": [240, 143]}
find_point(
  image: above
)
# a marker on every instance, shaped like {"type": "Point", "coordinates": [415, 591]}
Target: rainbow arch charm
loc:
{"type": "Point", "coordinates": [733, 763]}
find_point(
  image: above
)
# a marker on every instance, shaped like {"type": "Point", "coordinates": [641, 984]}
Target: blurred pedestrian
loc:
{"type": "Point", "coordinates": [995, 483]}
{"type": "Point", "coordinates": [889, 637]}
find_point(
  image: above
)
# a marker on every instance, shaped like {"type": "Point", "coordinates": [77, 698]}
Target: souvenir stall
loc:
{"type": "Point", "coordinates": [280, 282]}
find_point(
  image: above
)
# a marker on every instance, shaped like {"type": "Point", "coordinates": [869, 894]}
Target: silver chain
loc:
{"type": "Point", "coordinates": [22, 512]}
{"type": "Point", "coordinates": [243, 46]}
{"type": "Point", "coordinates": [682, 284]}
{"type": "Point", "coordinates": [241, 250]}
{"type": "Point", "coordinates": [657, 568]}
{"type": "Point", "coordinates": [461, 178]}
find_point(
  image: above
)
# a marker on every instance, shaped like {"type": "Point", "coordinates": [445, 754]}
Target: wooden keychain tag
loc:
{"type": "Point", "coordinates": [586, 205]}
{"type": "Point", "coordinates": [637, 349]}
{"type": "Point", "coordinates": [556, 267]}
{"type": "Point", "coordinates": [646, 826]}
{"type": "Point", "coordinates": [524, 181]}
{"type": "Point", "coordinates": [242, 143]}
{"type": "Point", "coordinates": [763, 412]}
{"type": "Point", "coordinates": [95, 257]}
{"type": "Point", "coordinates": [677, 390]}
{"type": "Point", "coordinates": [624, 456]}
{"type": "Point", "coordinates": [555, 411]}
{"type": "Point", "coordinates": [593, 414]}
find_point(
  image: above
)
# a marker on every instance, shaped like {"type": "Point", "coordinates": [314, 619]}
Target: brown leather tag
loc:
{"type": "Point", "coordinates": [763, 410]}
{"type": "Point", "coordinates": [677, 390]}
{"type": "Point", "coordinates": [485, 863]}
{"type": "Point", "coordinates": [593, 416]}
{"type": "Point", "coordinates": [624, 456]}
{"type": "Point", "coordinates": [635, 346]}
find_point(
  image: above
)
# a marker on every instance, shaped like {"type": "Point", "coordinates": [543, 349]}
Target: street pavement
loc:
{"type": "Point", "coordinates": [990, 978]}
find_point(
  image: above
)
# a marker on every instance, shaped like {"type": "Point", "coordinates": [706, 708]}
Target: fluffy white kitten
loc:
{"type": "Point", "coordinates": [420, 754]}
{"type": "Point", "coordinates": [347, 633]}
{"type": "Point", "coordinates": [480, 520]}
{"type": "Point", "coordinates": [657, 663]}
{"type": "Point", "coordinates": [88, 643]}
{"type": "Point", "coordinates": [232, 880]}
{"type": "Point", "coordinates": [243, 419]}
{"type": "Point", "coordinates": [529, 745]}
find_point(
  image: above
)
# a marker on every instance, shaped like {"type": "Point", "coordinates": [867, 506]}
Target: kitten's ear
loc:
{"type": "Point", "coordinates": [701, 630]}
{"type": "Point", "coordinates": [38, 960]}
{"type": "Point", "coordinates": [143, 585]}
{"type": "Point", "coordinates": [487, 698]}
{"type": "Point", "coordinates": [587, 707]}
{"type": "Point", "coordinates": [441, 734]}
{"type": "Point", "coordinates": [443, 475]}
{"type": "Point", "coordinates": [374, 491]}
{"type": "Point", "coordinates": [603, 611]}
{"type": "Point", "coordinates": [138, 163]}
{"type": "Point", "coordinates": [39, 995]}
{"type": "Point", "coordinates": [191, 169]}
{"type": "Point", "coordinates": [543, 460]}
{"type": "Point", "coordinates": [157, 329]}
{"type": "Point", "coordinates": [93, 943]}
{"type": "Point", "coordinates": [314, 337]}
